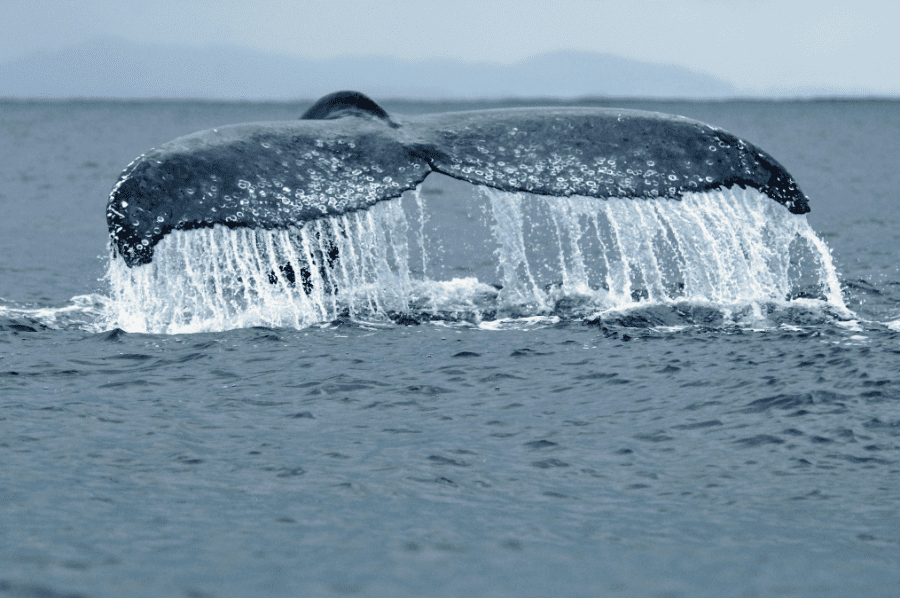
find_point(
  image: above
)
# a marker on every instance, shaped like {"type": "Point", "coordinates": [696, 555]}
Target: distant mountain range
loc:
{"type": "Point", "coordinates": [114, 68]}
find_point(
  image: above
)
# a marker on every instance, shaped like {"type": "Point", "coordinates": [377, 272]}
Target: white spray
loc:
{"type": "Point", "coordinates": [735, 246]}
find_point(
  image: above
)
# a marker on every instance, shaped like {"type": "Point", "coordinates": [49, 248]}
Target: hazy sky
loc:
{"type": "Point", "coordinates": [757, 45]}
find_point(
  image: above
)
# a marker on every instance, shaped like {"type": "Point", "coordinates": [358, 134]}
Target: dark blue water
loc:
{"type": "Point", "coordinates": [667, 450]}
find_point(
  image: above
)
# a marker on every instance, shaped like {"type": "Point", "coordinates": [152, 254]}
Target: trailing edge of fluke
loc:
{"type": "Point", "coordinates": [346, 153]}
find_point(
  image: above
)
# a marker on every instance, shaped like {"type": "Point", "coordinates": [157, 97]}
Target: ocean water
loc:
{"type": "Point", "coordinates": [489, 394]}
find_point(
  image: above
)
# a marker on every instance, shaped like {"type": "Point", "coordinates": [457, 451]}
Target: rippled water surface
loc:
{"type": "Point", "coordinates": [681, 448]}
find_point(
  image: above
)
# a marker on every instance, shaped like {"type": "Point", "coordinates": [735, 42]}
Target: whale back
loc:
{"type": "Point", "coordinates": [344, 103]}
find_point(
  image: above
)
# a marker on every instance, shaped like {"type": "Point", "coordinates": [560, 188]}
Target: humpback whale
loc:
{"type": "Point", "coordinates": [346, 153]}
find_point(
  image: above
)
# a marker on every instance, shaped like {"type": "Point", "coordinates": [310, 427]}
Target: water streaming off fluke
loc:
{"type": "Point", "coordinates": [516, 255]}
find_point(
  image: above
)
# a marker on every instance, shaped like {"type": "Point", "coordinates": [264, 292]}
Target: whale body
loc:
{"type": "Point", "coordinates": [346, 153]}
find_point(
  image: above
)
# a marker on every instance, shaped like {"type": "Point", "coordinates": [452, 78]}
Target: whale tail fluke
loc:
{"type": "Point", "coordinates": [346, 154]}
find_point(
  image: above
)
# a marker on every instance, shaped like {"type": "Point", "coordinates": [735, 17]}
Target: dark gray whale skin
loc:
{"type": "Point", "coordinates": [346, 153]}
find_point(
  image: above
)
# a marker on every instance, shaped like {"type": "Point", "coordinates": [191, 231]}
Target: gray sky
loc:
{"type": "Point", "coordinates": [758, 45]}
